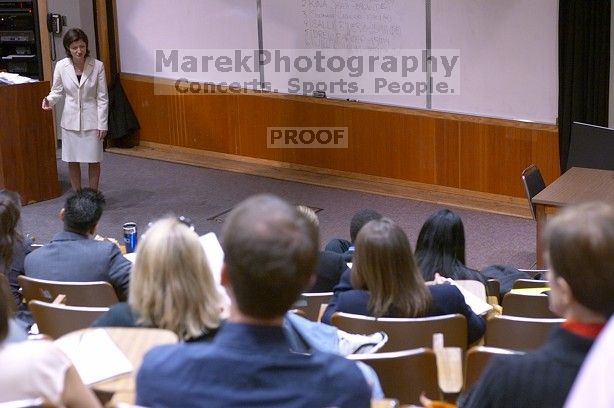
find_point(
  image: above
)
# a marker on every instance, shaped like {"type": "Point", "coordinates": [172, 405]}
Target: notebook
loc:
{"type": "Point", "coordinates": [95, 356]}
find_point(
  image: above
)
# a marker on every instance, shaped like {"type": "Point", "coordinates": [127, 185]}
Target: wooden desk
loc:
{"type": "Point", "coordinates": [577, 185]}
{"type": "Point", "coordinates": [134, 343]}
{"type": "Point", "coordinates": [27, 144]}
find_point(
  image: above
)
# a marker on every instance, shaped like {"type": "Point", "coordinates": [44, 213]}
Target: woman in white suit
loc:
{"type": "Point", "coordinates": [80, 79]}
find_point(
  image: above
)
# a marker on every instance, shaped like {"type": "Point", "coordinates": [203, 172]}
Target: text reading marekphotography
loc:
{"type": "Point", "coordinates": [338, 73]}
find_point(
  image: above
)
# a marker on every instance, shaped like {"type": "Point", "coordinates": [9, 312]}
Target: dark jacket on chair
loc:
{"type": "Point", "coordinates": [122, 120]}
{"type": "Point", "coordinates": [505, 274]}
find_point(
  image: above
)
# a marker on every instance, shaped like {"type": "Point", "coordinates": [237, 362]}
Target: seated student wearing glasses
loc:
{"type": "Point", "coordinates": [579, 243]}
{"type": "Point", "coordinates": [73, 256]}
{"type": "Point", "coordinates": [385, 282]}
{"type": "Point", "coordinates": [269, 257]}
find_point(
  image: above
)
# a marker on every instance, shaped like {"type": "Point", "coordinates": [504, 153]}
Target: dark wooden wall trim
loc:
{"type": "Point", "coordinates": [445, 149]}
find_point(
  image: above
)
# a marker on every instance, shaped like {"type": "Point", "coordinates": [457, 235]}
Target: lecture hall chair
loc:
{"type": "Point", "coordinates": [527, 306]}
{"type": "Point", "coordinates": [407, 333]}
{"type": "Point", "coordinates": [477, 359]}
{"type": "Point", "coordinates": [518, 333]}
{"type": "Point", "coordinates": [404, 375]}
{"type": "Point", "coordinates": [92, 294]}
{"type": "Point", "coordinates": [529, 283]}
{"type": "Point", "coordinates": [56, 319]}
{"type": "Point", "coordinates": [533, 183]}
{"type": "Point", "coordinates": [313, 304]}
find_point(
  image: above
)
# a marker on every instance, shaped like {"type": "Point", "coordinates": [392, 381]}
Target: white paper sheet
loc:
{"type": "Point", "coordinates": [95, 356]}
{"type": "Point", "coordinates": [215, 256]}
{"type": "Point", "coordinates": [476, 304]}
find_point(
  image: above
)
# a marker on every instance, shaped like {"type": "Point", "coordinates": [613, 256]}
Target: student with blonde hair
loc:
{"type": "Point", "coordinates": [171, 285]}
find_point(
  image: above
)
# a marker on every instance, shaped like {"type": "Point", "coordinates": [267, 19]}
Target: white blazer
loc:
{"type": "Point", "coordinates": [87, 103]}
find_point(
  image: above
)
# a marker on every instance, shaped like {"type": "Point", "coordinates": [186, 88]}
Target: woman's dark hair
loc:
{"type": "Point", "coordinates": [441, 248]}
{"type": "Point", "coordinates": [360, 219]}
{"type": "Point", "coordinates": [72, 35]}
{"type": "Point", "coordinates": [82, 210]}
{"type": "Point", "coordinates": [384, 265]}
{"type": "Point", "coordinates": [9, 218]}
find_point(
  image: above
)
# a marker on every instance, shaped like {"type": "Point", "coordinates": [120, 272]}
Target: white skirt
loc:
{"type": "Point", "coordinates": [81, 146]}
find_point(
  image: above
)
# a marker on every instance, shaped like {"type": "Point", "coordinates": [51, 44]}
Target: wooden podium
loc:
{"type": "Point", "coordinates": [27, 146]}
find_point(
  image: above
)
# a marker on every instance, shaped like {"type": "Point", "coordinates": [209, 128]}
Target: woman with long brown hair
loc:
{"type": "Point", "coordinates": [385, 282]}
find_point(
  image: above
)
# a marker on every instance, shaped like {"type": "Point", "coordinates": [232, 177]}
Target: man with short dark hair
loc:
{"type": "Point", "coordinates": [269, 255]}
{"type": "Point", "coordinates": [72, 256]}
{"type": "Point", "coordinates": [346, 247]}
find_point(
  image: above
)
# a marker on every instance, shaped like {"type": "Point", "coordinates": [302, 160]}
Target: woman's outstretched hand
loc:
{"type": "Point", "coordinates": [45, 104]}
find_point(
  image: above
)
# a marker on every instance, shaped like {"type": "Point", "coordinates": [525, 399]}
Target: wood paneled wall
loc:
{"type": "Point", "coordinates": [461, 151]}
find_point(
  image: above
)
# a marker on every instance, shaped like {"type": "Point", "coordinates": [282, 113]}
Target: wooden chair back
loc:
{"type": "Point", "coordinates": [407, 333]}
{"type": "Point", "coordinates": [477, 359]}
{"type": "Point", "coordinates": [91, 294]}
{"type": "Point", "coordinates": [529, 283]}
{"type": "Point", "coordinates": [493, 288]}
{"type": "Point", "coordinates": [533, 183]}
{"type": "Point", "coordinates": [534, 273]}
{"type": "Point", "coordinates": [527, 306]}
{"type": "Point", "coordinates": [404, 375]}
{"type": "Point", "coordinates": [518, 333]}
{"type": "Point", "coordinates": [55, 320]}
{"type": "Point", "coordinates": [313, 301]}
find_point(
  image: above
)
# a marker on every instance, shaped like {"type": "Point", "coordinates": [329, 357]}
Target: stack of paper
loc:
{"type": "Point", "coordinates": [11, 79]}
{"type": "Point", "coordinates": [479, 306]}
{"type": "Point", "coordinates": [95, 356]}
{"type": "Point", "coordinates": [215, 256]}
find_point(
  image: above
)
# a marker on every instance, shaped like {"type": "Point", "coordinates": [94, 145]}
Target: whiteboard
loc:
{"type": "Point", "coordinates": [509, 56]}
{"type": "Point", "coordinates": [195, 27]}
{"type": "Point", "coordinates": [352, 28]}
{"type": "Point", "coordinates": [507, 49]}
